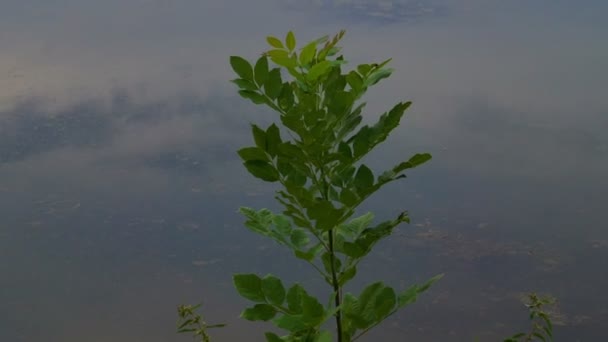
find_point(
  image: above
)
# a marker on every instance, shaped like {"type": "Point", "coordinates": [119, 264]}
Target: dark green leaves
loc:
{"type": "Point", "coordinates": [364, 178]}
{"type": "Point", "coordinates": [242, 67]}
{"type": "Point", "coordinates": [273, 290]}
{"type": "Point", "coordinates": [256, 160]}
{"type": "Point", "coordinates": [273, 84]}
{"type": "Point", "coordinates": [262, 170]}
{"type": "Point", "coordinates": [377, 302]}
{"type": "Point", "coordinates": [368, 137]}
{"type": "Point", "coordinates": [273, 139]}
{"type": "Point", "coordinates": [259, 312]}
{"type": "Point", "coordinates": [261, 71]}
{"type": "Point", "coordinates": [307, 308]}
{"type": "Point", "coordinates": [249, 286]}
{"type": "Point", "coordinates": [361, 244]}
{"type": "Point", "coordinates": [253, 153]}
{"type": "Point", "coordinates": [259, 136]}
{"type": "Point", "coordinates": [325, 214]}
{"type": "Point", "coordinates": [254, 96]}
{"type": "Point", "coordinates": [414, 161]}
{"type": "Point", "coordinates": [272, 337]}
{"type": "Point", "coordinates": [268, 291]}
{"type": "Point", "coordinates": [374, 304]}
{"type": "Point", "coordinates": [245, 84]}
{"type": "Point", "coordinates": [279, 228]}
{"type": "Point", "coordinates": [323, 183]}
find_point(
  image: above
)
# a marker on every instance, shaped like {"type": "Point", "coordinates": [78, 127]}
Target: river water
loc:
{"type": "Point", "coordinates": [119, 181]}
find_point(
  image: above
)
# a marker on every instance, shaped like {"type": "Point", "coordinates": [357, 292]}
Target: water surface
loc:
{"type": "Point", "coordinates": [120, 181]}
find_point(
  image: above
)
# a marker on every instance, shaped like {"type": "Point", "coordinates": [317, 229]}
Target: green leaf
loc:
{"type": "Point", "coordinates": [259, 312]}
{"type": "Point", "coordinates": [273, 290]}
{"type": "Point", "coordinates": [259, 136]}
{"type": "Point", "coordinates": [244, 84]}
{"type": "Point", "coordinates": [287, 62]}
{"type": "Point", "coordinates": [326, 259]}
{"type": "Point", "coordinates": [242, 67]}
{"type": "Point", "coordinates": [272, 337]}
{"type": "Point", "coordinates": [324, 336]}
{"type": "Point", "coordinates": [375, 303]}
{"type": "Point", "coordinates": [290, 41]}
{"type": "Point", "coordinates": [318, 70]}
{"type": "Point", "coordinates": [364, 69]}
{"type": "Point", "coordinates": [282, 227]}
{"type": "Point", "coordinates": [364, 177]}
{"type": "Point", "coordinates": [354, 227]}
{"type": "Point", "coordinates": [348, 197]}
{"type": "Point", "coordinates": [273, 139]}
{"type": "Point", "coordinates": [278, 53]}
{"type": "Point", "coordinates": [254, 96]}
{"type": "Point", "coordinates": [308, 53]}
{"type": "Point", "coordinates": [313, 312]}
{"type": "Point", "coordinates": [376, 76]}
{"type": "Point", "coordinates": [430, 282]}
{"type": "Point", "coordinates": [411, 294]}
{"type": "Point", "coordinates": [257, 221]}
{"type": "Point", "coordinates": [262, 170]}
{"type": "Point", "coordinates": [325, 214]}
{"type": "Point", "coordinates": [249, 286]}
{"type": "Point", "coordinates": [379, 66]}
{"type": "Point", "coordinates": [416, 160]}
{"type": "Point", "coordinates": [261, 71]}
{"type": "Point", "coordinates": [275, 42]}
{"type": "Point", "coordinates": [368, 137]}
{"type": "Point", "coordinates": [273, 84]}
{"type": "Point", "coordinates": [292, 323]}
{"type": "Point", "coordinates": [299, 238]}
{"type": "Point", "coordinates": [286, 98]}
{"type": "Point", "coordinates": [345, 151]}
{"type": "Point", "coordinates": [253, 153]}
{"type": "Point", "coordinates": [354, 80]}
{"type": "Point", "coordinates": [294, 298]}
{"type": "Point", "coordinates": [310, 254]}
{"type": "Point", "coordinates": [348, 274]}
{"type": "Point", "coordinates": [370, 236]}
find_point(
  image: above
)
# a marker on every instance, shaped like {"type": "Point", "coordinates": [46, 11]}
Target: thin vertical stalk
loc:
{"type": "Point", "coordinates": [336, 285]}
{"type": "Point", "coordinates": [332, 261]}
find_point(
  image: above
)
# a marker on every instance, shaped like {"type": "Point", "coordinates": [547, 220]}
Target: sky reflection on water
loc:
{"type": "Point", "coordinates": [120, 181]}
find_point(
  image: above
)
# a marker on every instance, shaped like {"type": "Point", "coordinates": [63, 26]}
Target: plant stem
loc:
{"type": "Point", "coordinates": [332, 261]}
{"type": "Point", "coordinates": [334, 278]}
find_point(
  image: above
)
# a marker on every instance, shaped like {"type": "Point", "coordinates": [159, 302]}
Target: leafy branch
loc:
{"type": "Point", "coordinates": [541, 328]}
{"type": "Point", "coordinates": [323, 183]}
{"type": "Point", "coordinates": [192, 322]}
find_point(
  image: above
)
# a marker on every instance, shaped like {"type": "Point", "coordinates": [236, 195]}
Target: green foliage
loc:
{"type": "Point", "coordinates": [193, 323]}
{"type": "Point", "coordinates": [323, 182]}
{"type": "Point", "coordinates": [541, 325]}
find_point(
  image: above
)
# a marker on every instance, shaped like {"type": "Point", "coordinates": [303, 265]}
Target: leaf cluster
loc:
{"type": "Point", "coordinates": [541, 325]}
{"type": "Point", "coordinates": [316, 155]}
{"type": "Point", "coordinates": [192, 322]}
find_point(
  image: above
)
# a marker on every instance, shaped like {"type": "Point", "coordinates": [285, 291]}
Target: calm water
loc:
{"type": "Point", "coordinates": [120, 183]}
